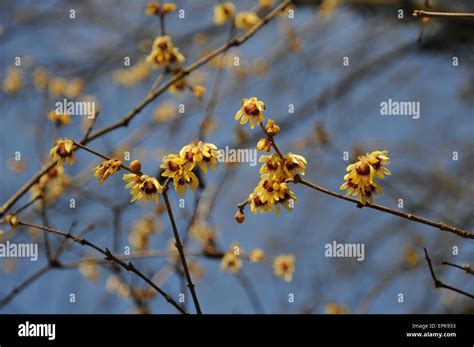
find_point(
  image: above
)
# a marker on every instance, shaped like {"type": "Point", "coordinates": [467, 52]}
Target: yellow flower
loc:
{"type": "Point", "coordinates": [199, 91]}
{"type": "Point", "coordinates": [231, 263]}
{"type": "Point", "coordinates": [202, 233]}
{"type": "Point", "coordinates": [11, 219]}
{"type": "Point", "coordinates": [333, 308]}
{"type": "Point", "coordinates": [89, 270]}
{"type": "Point", "coordinates": [57, 87]}
{"type": "Point", "coordinates": [223, 12]}
{"type": "Point", "coordinates": [165, 112]}
{"type": "Point", "coordinates": [13, 81]}
{"type": "Point", "coordinates": [63, 151]}
{"type": "Point", "coordinates": [293, 164]}
{"type": "Point", "coordinates": [256, 255]}
{"type": "Point", "coordinates": [74, 88]}
{"type": "Point", "coordinates": [40, 78]}
{"type": "Point", "coordinates": [164, 53]}
{"type": "Point", "coordinates": [288, 202]}
{"type": "Point", "coordinates": [410, 257]}
{"type": "Point", "coordinates": [378, 160]}
{"type": "Point", "coordinates": [252, 109]}
{"type": "Point", "coordinates": [264, 145]}
{"type": "Point", "coordinates": [51, 185]}
{"type": "Point", "coordinates": [172, 164]}
{"type": "Point", "coordinates": [202, 153]}
{"type": "Point", "coordinates": [153, 8]}
{"type": "Point", "coordinates": [264, 4]}
{"type": "Point", "coordinates": [59, 119]}
{"type": "Point", "coordinates": [271, 190]}
{"type": "Point", "coordinates": [107, 169]}
{"type": "Point", "coordinates": [272, 127]}
{"type": "Point", "coordinates": [257, 204]}
{"type": "Point", "coordinates": [142, 187]}
{"type": "Point", "coordinates": [271, 166]}
{"type": "Point", "coordinates": [360, 177]}
{"type": "Point", "coordinates": [139, 238]}
{"type": "Point", "coordinates": [183, 179]}
{"type": "Point", "coordinates": [246, 20]}
{"type": "Point", "coordinates": [284, 267]}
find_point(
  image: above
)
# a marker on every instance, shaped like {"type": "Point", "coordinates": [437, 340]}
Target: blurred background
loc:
{"type": "Point", "coordinates": [290, 63]}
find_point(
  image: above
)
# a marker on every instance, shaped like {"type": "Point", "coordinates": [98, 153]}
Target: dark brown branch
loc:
{"type": "Point", "coordinates": [179, 247]}
{"type": "Point", "coordinates": [411, 217]}
{"type": "Point", "coordinates": [108, 256]}
{"type": "Point", "coordinates": [438, 283]}
{"type": "Point", "coordinates": [421, 13]}
{"type": "Point", "coordinates": [466, 267]}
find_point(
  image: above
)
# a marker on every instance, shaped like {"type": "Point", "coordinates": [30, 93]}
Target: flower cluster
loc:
{"type": "Point", "coordinates": [277, 169]}
{"type": "Point", "coordinates": [164, 53]}
{"type": "Point", "coordinates": [283, 265]}
{"type": "Point", "coordinates": [179, 167]}
{"type": "Point", "coordinates": [360, 177]}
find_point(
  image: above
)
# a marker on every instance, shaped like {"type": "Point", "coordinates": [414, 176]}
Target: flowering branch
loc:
{"type": "Point", "coordinates": [152, 95]}
{"type": "Point", "coordinates": [439, 225]}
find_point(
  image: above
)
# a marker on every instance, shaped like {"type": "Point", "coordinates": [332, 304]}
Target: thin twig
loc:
{"type": "Point", "coordinates": [421, 13]}
{"type": "Point", "coordinates": [15, 291]}
{"type": "Point", "coordinates": [438, 283]}
{"type": "Point", "coordinates": [108, 256]}
{"type": "Point", "coordinates": [466, 267]}
{"type": "Point", "coordinates": [179, 247]}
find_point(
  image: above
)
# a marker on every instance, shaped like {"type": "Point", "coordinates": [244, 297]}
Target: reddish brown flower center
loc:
{"type": "Point", "coordinates": [271, 166]}
{"type": "Point", "coordinates": [363, 169]}
{"type": "Point", "coordinates": [53, 173]}
{"type": "Point", "coordinates": [61, 151]}
{"type": "Point", "coordinates": [172, 166]}
{"type": "Point", "coordinates": [163, 46]}
{"type": "Point", "coordinates": [149, 187]}
{"type": "Point", "coordinates": [251, 109]}
{"type": "Point", "coordinates": [189, 156]}
{"type": "Point", "coordinates": [268, 186]}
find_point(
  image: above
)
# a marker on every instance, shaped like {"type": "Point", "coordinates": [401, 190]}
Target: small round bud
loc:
{"type": "Point", "coordinates": [272, 127]}
{"type": "Point", "coordinates": [264, 145]}
{"type": "Point", "coordinates": [136, 166]}
{"type": "Point", "coordinates": [239, 217]}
